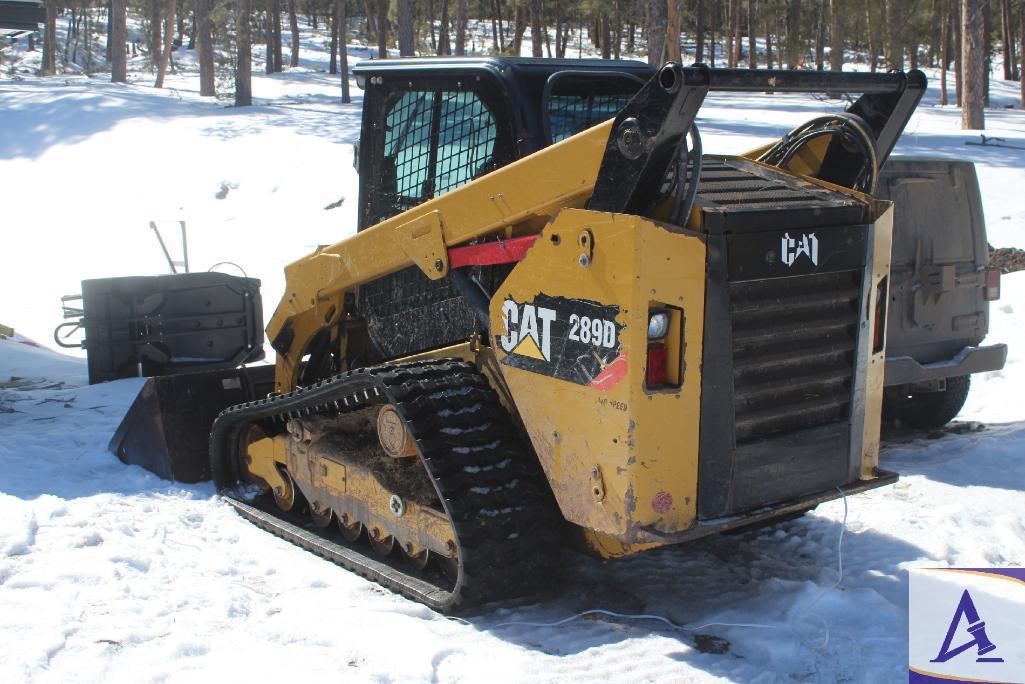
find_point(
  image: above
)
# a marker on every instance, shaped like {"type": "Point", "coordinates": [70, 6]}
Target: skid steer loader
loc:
{"type": "Point", "coordinates": [555, 325]}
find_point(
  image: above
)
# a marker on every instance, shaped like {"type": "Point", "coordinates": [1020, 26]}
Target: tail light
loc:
{"type": "Point", "coordinates": [658, 355]}
{"type": "Point", "coordinates": [991, 292]}
{"type": "Point", "coordinates": [665, 338]}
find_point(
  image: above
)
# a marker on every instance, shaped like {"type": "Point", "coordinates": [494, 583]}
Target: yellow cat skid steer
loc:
{"type": "Point", "coordinates": [545, 326]}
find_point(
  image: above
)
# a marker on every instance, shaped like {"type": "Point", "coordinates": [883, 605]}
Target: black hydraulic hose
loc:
{"type": "Point", "coordinates": [848, 127]}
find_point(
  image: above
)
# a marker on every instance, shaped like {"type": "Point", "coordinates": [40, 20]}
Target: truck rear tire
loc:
{"type": "Point", "coordinates": [926, 410]}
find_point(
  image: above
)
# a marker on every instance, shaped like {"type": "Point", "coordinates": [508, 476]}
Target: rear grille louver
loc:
{"type": "Point", "coordinates": [794, 340]}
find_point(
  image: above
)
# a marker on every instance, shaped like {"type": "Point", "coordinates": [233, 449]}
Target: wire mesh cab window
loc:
{"type": "Point", "coordinates": [434, 141]}
{"type": "Point", "coordinates": [576, 101]}
{"type": "Point", "coordinates": [407, 144]}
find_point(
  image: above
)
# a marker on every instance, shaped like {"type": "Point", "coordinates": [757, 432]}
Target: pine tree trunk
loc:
{"type": "Point", "coordinates": [714, 28]}
{"type": "Point", "coordinates": [658, 11]}
{"type": "Point", "coordinates": [501, 25]}
{"type": "Point", "coordinates": [820, 35]}
{"type": "Point", "coordinates": [430, 25]}
{"type": "Point", "coordinates": [343, 53]}
{"type": "Point", "coordinates": [699, 28]}
{"type": "Point", "coordinates": [973, 46]}
{"type": "Point", "coordinates": [293, 27]}
{"type": "Point", "coordinates": [872, 28]}
{"type": "Point", "coordinates": [944, 57]}
{"type": "Point", "coordinates": [560, 45]}
{"type": "Point", "coordinates": [461, 28]}
{"type": "Point", "coordinates": [332, 67]}
{"type": "Point", "coordinates": [738, 43]}
{"type": "Point", "coordinates": [752, 46]}
{"type": "Point", "coordinates": [617, 31]}
{"type": "Point", "coordinates": [269, 67]}
{"type": "Point", "coordinates": [444, 44]}
{"type": "Point", "coordinates": [116, 42]}
{"type": "Point", "coordinates": [496, 35]}
{"type": "Point", "coordinates": [1021, 52]}
{"type": "Point", "coordinates": [958, 72]}
{"type": "Point", "coordinates": [110, 30]}
{"type": "Point", "coordinates": [154, 33]}
{"type": "Point", "coordinates": [794, 35]}
{"type": "Point", "coordinates": [382, 29]}
{"type": "Point", "coordinates": [205, 48]}
{"type": "Point", "coordinates": [165, 55]}
{"type": "Point", "coordinates": [835, 37]}
{"type": "Point", "coordinates": [278, 64]}
{"type": "Point", "coordinates": [69, 34]}
{"type": "Point", "coordinates": [536, 39]}
{"type": "Point", "coordinates": [728, 23]}
{"type": "Point", "coordinates": [987, 50]}
{"type": "Point", "coordinates": [604, 39]}
{"type": "Point", "coordinates": [371, 31]}
{"type": "Point", "coordinates": [88, 42]}
{"type": "Point", "coordinates": [768, 41]}
{"type": "Point", "coordinates": [407, 41]}
{"type": "Point", "coordinates": [243, 54]}
{"type": "Point", "coordinates": [1008, 39]}
{"type": "Point", "coordinates": [674, 21]}
{"type": "Point", "coordinates": [892, 51]}
{"type": "Point", "coordinates": [520, 19]}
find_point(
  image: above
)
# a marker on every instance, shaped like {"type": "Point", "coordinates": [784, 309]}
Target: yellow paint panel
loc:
{"type": "Point", "coordinates": [644, 443]}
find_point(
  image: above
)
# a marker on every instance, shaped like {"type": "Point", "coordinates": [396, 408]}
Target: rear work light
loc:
{"type": "Point", "coordinates": [658, 325]}
{"type": "Point", "coordinates": [991, 292]}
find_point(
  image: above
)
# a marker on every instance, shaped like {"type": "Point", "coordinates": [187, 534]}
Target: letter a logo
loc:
{"type": "Point", "coordinates": [976, 627]}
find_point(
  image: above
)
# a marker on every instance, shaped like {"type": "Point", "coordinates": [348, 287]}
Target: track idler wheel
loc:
{"type": "Point", "coordinates": [289, 498]}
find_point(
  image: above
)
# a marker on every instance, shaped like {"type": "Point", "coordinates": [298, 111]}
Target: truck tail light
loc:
{"type": "Point", "coordinates": [991, 292]}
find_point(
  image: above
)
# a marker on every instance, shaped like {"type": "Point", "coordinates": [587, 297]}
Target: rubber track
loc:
{"type": "Point", "coordinates": [485, 474]}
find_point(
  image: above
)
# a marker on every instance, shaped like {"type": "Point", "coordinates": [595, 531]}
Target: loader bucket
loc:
{"type": "Point", "coordinates": [167, 427]}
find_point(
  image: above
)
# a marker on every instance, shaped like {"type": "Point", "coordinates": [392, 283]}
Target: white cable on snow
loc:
{"type": "Point", "coordinates": [685, 628]}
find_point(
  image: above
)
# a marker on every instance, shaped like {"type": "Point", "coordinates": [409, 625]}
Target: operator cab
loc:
{"type": "Point", "coordinates": [430, 126]}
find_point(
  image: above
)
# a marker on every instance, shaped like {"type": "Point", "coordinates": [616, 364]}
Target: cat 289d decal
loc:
{"type": "Point", "coordinates": [569, 339]}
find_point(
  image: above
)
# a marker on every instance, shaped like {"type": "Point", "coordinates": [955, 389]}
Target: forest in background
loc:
{"type": "Point", "coordinates": [966, 37]}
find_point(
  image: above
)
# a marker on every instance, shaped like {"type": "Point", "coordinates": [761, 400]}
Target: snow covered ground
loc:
{"type": "Point", "coordinates": [110, 573]}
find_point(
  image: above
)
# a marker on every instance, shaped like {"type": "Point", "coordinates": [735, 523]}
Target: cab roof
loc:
{"type": "Point", "coordinates": [501, 66]}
